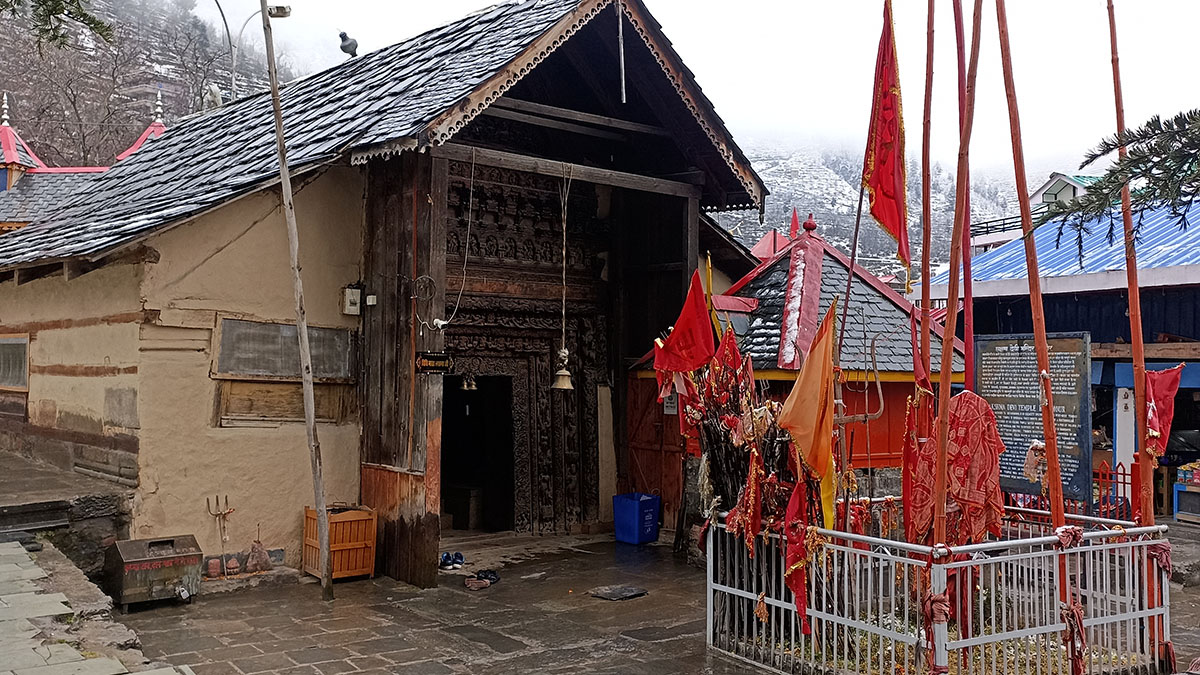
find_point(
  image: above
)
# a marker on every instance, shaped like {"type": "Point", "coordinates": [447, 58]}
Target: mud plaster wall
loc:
{"type": "Point", "coordinates": [82, 405]}
{"type": "Point", "coordinates": [235, 260]}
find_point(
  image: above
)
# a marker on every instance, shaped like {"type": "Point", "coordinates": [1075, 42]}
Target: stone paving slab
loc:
{"type": "Point", "coordinates": [46, 655]}
{"type": "Point", "coordinates": [539, 618]}
{"type": "Point", "coordinates": [86, 667]}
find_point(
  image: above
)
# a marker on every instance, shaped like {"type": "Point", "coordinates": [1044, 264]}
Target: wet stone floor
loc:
{"type": "Point", "coordinates": [539, 618]}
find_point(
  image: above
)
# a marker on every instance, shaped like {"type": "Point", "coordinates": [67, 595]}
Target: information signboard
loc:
{"type": "Point", "coordinates": [1007, 377]}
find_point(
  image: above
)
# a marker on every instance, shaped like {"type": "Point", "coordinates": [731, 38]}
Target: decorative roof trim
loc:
{"type": "Point", "coordinates": [449, 123]}
{"type": "Point", "coordinates": [444, 127]}
{"type": "Point", "coordinates": [383, 150]}
{"type": "Point", "coordinates": [717, 134]}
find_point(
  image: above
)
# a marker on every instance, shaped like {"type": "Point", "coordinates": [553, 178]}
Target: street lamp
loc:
{"type": "Point", "coordinates": [273, 11]}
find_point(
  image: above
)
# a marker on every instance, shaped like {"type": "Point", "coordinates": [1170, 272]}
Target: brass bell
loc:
{"type": "Point", "coordinates": [562, 380]}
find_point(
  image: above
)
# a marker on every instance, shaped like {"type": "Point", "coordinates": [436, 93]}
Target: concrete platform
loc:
{"type": "Point", "coordinates": [80, 514]}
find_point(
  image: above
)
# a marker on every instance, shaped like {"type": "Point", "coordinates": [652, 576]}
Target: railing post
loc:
{"type": "Point", "coordinates": [708, 558]}
{"type": "Point", "coordinates": [941, 634]}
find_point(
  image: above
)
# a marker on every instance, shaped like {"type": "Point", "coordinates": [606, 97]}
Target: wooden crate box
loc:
{"type": "Point", "coordinates": [351, 542]}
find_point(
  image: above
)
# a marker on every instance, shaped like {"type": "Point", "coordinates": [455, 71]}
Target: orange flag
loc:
{"type": "Point", "coordinates": [884, 176]}
{"type": "Point", "coordinates": [807, 415]}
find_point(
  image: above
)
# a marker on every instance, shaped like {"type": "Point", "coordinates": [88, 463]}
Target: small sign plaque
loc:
{"type": "Point", "coordinates": [434, 362]}
{"type": "Point", "coordinates": [671, 404]}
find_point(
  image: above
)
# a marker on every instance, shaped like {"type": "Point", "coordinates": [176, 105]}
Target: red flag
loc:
{"type": "Point", "coordinates": [690, 344]}
{"type": "Point", "coordinates": [884, 175]}
{"type": "Point", "coordinates": [1161, 387]}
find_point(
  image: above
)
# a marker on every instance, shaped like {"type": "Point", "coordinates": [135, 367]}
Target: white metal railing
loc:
{"type": "Point", "coordinates": [866, 594]}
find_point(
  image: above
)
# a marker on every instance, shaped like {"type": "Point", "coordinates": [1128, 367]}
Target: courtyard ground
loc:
{"type": "Point", "coordinates": [539, 618]}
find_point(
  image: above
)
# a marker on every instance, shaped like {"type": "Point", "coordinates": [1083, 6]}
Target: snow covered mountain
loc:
{"type": "Point", "coordinates": [825, 183]}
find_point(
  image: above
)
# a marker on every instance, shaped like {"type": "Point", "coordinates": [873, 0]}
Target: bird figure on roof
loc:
{"type": "Point", "coordinates": [349, 44]}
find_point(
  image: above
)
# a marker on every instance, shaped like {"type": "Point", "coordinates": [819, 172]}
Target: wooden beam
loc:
{"type": "Point", "coordinates": [691, 240]}
{"type": "Point", "coordinates": [577, 116]}
{"type": "Point", "coordinates": [1154, 350]}
{"type": "Point", "coordinates": [550, 167]}
{"type": "Point", "coordinates": [666, 267]}
{"type": "Point", "coordinates": [548, 123]}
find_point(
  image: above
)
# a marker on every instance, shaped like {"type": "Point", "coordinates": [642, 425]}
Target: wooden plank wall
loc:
{"type": "Point", "coordinates": [402, 408]}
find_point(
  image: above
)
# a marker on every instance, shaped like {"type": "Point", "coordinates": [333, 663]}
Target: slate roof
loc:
{"type": "Point", "coordinates": [1160, 243]}
{"type": "Point", "coordinates": [379, 98]}
{"type": "Point", "coordinates": [37, 193]}
{"type": "Point", "coordinates": [875, 309]}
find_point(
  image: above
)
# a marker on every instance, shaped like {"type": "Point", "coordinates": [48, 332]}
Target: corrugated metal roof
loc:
{"type": "Point", "coordinates": [1160, 243]}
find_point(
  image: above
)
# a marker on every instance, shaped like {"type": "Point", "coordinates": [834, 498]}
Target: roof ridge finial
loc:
{"type": "Point", "coordinates": [4, 111]}
{"type": "Point", "coordinates": [158, 110]}
{"type": "Point", "coordinates": [810, 224]}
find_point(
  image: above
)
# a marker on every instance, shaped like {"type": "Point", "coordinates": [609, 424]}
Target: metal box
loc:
{"type": "Point", "coordinates": [140, 570]}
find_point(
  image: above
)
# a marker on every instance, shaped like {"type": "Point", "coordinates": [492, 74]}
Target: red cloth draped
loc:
{"type": "Point", "coordinates": [884, 174]}
{"type": "Point", "coordinates": [796, 556]}
{"type": "Point", "coordinates": [973, 475]}
{"type": "Point", "coordinates": [1161, 387]}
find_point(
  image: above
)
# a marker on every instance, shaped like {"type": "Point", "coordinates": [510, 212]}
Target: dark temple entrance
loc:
{"type": "Point", "coordinates": [477, 452]}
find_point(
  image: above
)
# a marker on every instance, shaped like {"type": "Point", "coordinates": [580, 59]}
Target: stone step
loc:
{"type": "Point", "coordinates": [35, 516]}
{"type": "Point", "coordinates": [86, 667]}
{"type": "Point", "coordinates": [32, 609]}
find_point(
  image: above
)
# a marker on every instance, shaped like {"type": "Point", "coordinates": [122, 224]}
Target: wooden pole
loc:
{"type": "Point", "coordinates": [1053, 472]}
{"type": "Point", "coordinates": [306, 371]}
{"type": "Point", "coordinates": [1147, 461]}
{"type": "Point", "coordinates": [926, 202]}
{"type": "Point", "coordinates": [960, 223]}
{"type": "Point", "coordinates": [968, 292]}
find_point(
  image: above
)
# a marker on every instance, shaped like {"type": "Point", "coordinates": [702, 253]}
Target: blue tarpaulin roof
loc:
{"type": "Point", "coordinates": [1160, 243]}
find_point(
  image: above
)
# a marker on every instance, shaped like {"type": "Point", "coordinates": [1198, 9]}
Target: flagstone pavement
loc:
{"type": "Point", "coordinates": [23, 650]}
{"type": "Point", "coordinates": [539, 618]}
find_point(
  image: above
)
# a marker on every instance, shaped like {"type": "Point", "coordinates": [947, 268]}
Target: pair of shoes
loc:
{"type": "Point", "coordinates": [481, 580]}
{"type": "Point", "coordinates": [451, 562]}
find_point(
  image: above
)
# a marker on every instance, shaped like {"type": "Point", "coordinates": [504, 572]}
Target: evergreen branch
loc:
{"type": "Point", "coordinates": [52, 19]}
{"type": "Point", "coordinates": [1161, 166]}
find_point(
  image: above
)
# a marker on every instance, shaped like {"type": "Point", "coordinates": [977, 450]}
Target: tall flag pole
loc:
{"type": "Point", "coordinates": [1053, 478]}
{"type": "Point", "coordinates": [968, 292]}
{"type": "Point", "coordinates": [1147, 461]}
{"type": "Point", "coordinates": [926, 199]}
{"type": "Point", "coordinates": [960, 221]}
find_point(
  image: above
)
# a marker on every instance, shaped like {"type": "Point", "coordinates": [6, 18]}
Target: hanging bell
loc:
{"type": "Point", "coordinates": [562, 378]}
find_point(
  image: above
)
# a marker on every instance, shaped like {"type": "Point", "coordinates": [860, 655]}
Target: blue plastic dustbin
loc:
{"type": "Point", "coordinates": [635, 517]}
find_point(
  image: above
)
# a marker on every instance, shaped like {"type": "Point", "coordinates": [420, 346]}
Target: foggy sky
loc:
{"type": "Point", "coordinates": [799, 71]}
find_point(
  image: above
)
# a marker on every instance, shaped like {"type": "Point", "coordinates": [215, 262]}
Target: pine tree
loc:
{"type": "Point", "coordinates": [1162, 169]}
{"type": "Point", "coordinates": [51, 19]}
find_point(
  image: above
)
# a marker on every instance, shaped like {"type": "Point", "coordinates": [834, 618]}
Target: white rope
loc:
{"type": "Point", "coordinates": [438, 324]}
{"type": "Point", "coordinates": [565, 194]}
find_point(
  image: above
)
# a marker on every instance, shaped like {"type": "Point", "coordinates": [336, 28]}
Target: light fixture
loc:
{"type": "Point", "coordinates": [279, 11]}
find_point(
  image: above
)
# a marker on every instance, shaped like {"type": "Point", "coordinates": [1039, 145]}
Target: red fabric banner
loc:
{"type": "Point", "coordinates": [690, 344]}
{"type": "Point", "coordinates": [884, 175]}
{"type": "Point", "coordinates": [1161, 387]}
{"type": "Point", "coordinates": [795, 574]}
